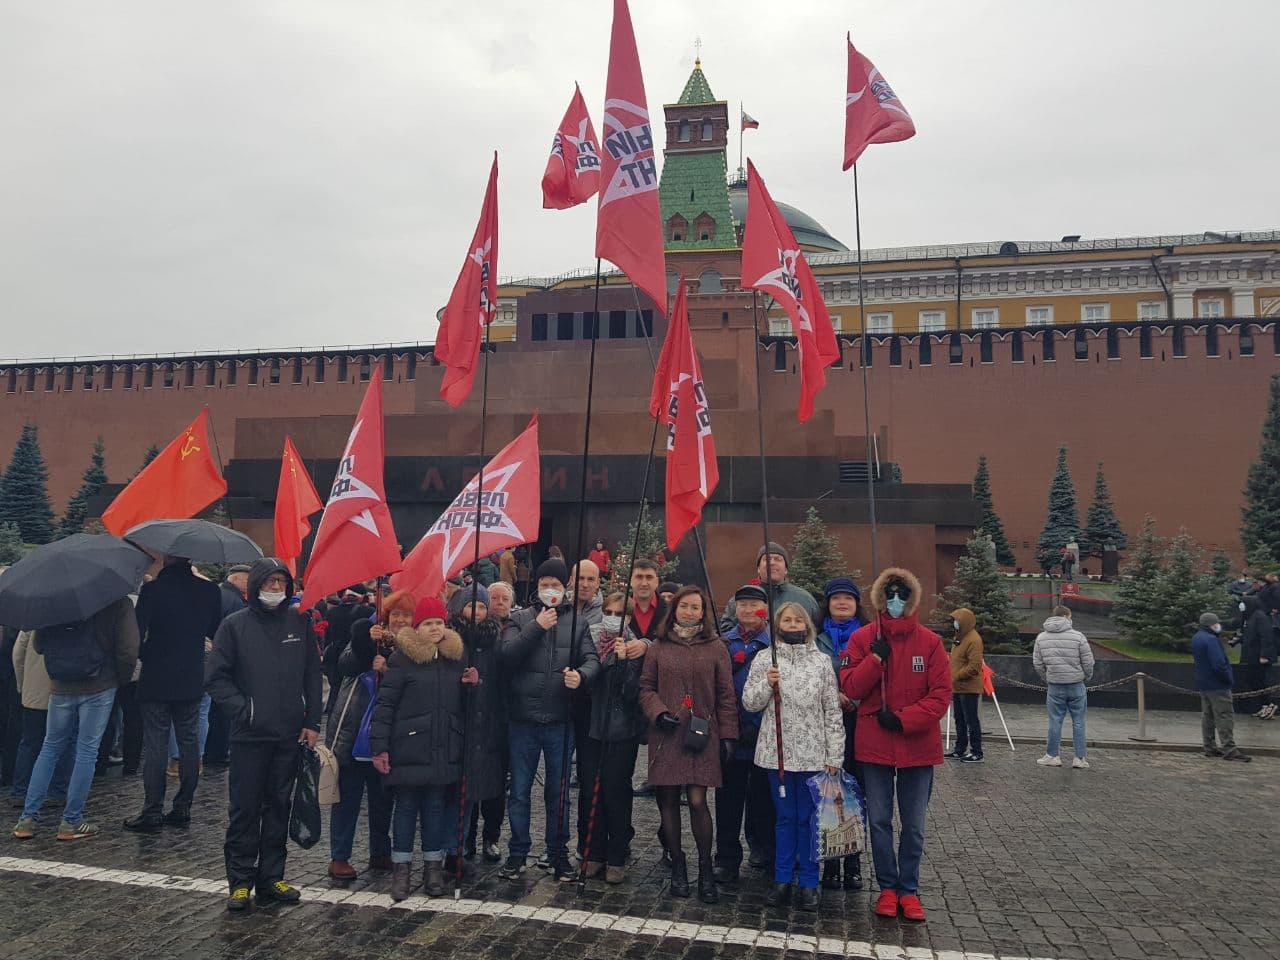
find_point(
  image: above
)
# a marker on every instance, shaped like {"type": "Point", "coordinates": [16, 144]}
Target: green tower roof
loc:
{"type": "Point", "coordinates": [694, 186]}
{"type": "Point", "coordinates": [697, 90]}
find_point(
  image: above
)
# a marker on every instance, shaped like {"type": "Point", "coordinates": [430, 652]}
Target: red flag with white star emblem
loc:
{"type": "Point", "coordinates": [510, 505]}
{"type": "Point", "coordinates": [573, 170]}
{"type": "Point", "coordinates": [356, 540]}
{"type": "Point", "coordinates": [679, 400]}
{"type": "Point", "coordinates": [629, 218]}
{"type": "Point", "coordinates": [296, 500]}
{"type": "Point", "coordinates": [872, 111]}
{"type": "Point", "coordinates": [472, 304]}
{"type": "Point", "coordinates": [772, 262]}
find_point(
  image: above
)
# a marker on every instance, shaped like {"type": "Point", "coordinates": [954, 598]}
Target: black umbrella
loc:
{"type": "Point", "coordinates": [197, 540]}
{"type": "Point", "coordinates": [68, 580]}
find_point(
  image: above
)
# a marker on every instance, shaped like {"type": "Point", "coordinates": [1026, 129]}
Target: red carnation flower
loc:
{"type": "Point", "coordinates": [740, 657]}
{"type": "Point", "coordinates": [688, 702]}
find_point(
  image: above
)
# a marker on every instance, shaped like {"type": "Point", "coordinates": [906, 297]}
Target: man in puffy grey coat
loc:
{"type": "Point", "coordinates": [1064, 661]}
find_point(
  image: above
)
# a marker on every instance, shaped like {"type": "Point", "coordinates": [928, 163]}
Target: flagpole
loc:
{"type": "Point", "coordinates": [740, 133]}
{"type": "Point", "coordinates": [865, 349]}
{"type": "Point", "coordinates": [226, 499]}
{"type": "Point", "coordinates": [582, 530]}
{"type": "Point", "coordinates": [768, 554]}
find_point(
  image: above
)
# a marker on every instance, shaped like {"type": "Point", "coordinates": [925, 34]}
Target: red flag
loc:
{"type": "Point", "coordinates": [472, 303]}
{"type": "Point", "coordinates": [629, 218]}
{"type": "Point", "coordinates": [356, 540]}
{"type": "Point", "coordinates": [181, 481]}
{"type": "Point", "coordinates": [679, 400]}
{"type": "Point", "coordinates": [296, 499]}
{"type": "Point", "coordinates": [872, 111]}
{"type": "Point", "coordinates": [988, 686]}
{"type": "Point", "coordinates": [772, 262]}
{"type": "Point", "coordinates": [511, 511]}
{"type": "Point", "coordinates": [573, 170]}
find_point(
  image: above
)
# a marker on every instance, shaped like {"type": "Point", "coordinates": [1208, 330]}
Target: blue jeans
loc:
{"type": "Point", "coordinates": [84, 720]}
{"type": "Point", "coordinates": [202, 731]}
{"type": "Point", "coordinates": [436, 810]}
{"type": "Point", "coordinates": [33, 726]}
{"type": "Point", "coordinates": [353, 779]}
{"type": "Point", "coordinates": [897, 870]}
{"type": "Point", "coordinates": [528, 742]}
{"type": "Point", "coordinates": [794, 854]}
{"type": "Point", "coordinates": [1064, 698]}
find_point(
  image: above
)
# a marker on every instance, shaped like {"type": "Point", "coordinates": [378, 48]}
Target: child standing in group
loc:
{"type": "Point", "coordinates": [812, 742]}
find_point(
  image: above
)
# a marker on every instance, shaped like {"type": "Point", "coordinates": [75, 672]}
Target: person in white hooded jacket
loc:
{"type": "Point", "coordinates": [812, 741]}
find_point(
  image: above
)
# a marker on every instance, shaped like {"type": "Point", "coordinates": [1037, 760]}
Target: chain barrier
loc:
{"type": "Point", "coordinates": [1110, 684]}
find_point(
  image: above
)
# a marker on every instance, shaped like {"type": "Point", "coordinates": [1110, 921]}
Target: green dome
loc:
{"type": "Point", "coordinates": [809, 232]}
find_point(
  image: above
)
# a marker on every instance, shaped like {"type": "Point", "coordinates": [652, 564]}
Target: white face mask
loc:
{"type": "Point", "coordinates": [550, 596]}
{"type": "Point", "coordinates": [956, 624]}
{"type": "Point", "coordinates": [611, 623]}
{"type": "Point", "coordinates": [271, 600]}
{"type": "Point", "coordinates": [1216, 628]}
{"type": "Point", "coordinates": [1242, 607]}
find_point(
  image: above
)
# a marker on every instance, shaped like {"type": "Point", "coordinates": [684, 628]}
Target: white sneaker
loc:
{"type": "Point", "coordinates": [1048, 761]}
{"type": "Point", "coordinates": [1268, 711]}
{"type": "Point", "coordinates": [1079, 763]}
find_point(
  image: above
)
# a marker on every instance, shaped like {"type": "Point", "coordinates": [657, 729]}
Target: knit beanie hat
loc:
{"type": "Point", "coordinates": [842, 585]}
{"type": "Point", "coordinates": [399, 600]}
{"type": "Point", "coordinates": [776, 550]}
{"type": "Point", "coordinates": [463, 597]}
{"type": "Point", "coordinates": [668, 587]}
{"type": "Point", "coordinates": [751, 591]}
{"type": "Point", "coordinates": [428, 608]}
{"type": "Point", "coordinates": [553, 567]}
{"type": "Point", "coordinates": [1208, 619]}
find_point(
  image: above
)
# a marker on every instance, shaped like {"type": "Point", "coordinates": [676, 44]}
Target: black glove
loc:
{"type": "Point", "coordinates": [889, 720]}
{"type": "Point", "coordinates": [667, 722]}
{"type": "Point", "coordinates": [880, 647]}
{"type": "Point", "coordinates": [726, 750]}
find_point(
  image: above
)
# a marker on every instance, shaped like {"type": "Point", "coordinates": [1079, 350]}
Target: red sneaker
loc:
{"type": "Point", "coordinates": [912, 908]}
{"type": "Point", "coordinates": [887, 904]}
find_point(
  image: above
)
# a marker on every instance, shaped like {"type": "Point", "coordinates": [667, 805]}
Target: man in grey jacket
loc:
{"type": "Point", "coordinates": [1064, 661]}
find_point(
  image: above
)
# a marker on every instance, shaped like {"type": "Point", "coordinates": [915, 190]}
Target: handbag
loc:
{"type": "Point", "coordinates": [697, 735]}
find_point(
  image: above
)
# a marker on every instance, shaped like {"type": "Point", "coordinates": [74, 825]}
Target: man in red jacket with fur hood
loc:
{"type": "Point", "coordinates": [899, 673]}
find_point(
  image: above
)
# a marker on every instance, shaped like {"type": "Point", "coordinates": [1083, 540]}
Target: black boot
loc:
{"type": "Point", "coordinates": [807, 899]}
{"type": "Point", "coordinates": [679, 876]}
{"type": "Point", "coordinates": [400, 881]}
{"type": "Point", "coordinates": [831, 874]}
{"type": "Point", "coordinates": [779, 895]}
{"type": "Point", "coordinates": [707, 891]}
{"type": "Point", "coordinates": [853, 872]}
{"type": "Point", "coordinates": [433, 878]}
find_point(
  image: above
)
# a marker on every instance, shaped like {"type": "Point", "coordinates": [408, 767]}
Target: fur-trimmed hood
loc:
{"type": "Point", "coordinates": [906, 576]}
{"type": "Point", "coordinates": [414, 644]}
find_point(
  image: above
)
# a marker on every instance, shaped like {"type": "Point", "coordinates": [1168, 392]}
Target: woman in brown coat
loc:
{"type": "Point", "coordinates": [966, 686]}
{"type": "Point", "coordinates": [686, 693]}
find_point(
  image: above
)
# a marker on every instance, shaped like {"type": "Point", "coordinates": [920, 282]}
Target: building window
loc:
{"type": "Point", "coordinates": [780, 357]}
{"type": "Point", "coordinates": [1179, 340]}
{"type": "Point", "coordinates": [879, 323]}
{"type": "Point", "coordinates": [1113, 343]}
{"type": "Point", "coordinates": [539, 327]}
{"type": "Point", "coordinates": [926, 351]}
{"type": "Point", "coordinates": [1210, 309]}
{"type": "Point", "coordinates": [318, 374]}
{"type": "Point", "coordinates": [1151, 310]}
{"type": "Point", "coordinates": [895, 352]}
{"type": "Point", "coordinates": [683, 134]}
{"type": "Point", "coordinates": [590, 326]}
{"type": "Point", "coordinates": [342, 368]}
{"type": "Point", "coordinates": [987, 356]}
{"type": "Point", "coordinates": [168, 374]}
{"type": "Point", "coordinates": [1095, 312]}
{"type": "Point", "coordinates": [1015, 347]}
{"type": "Point", "coordinates": [1039, 316]}
{"type": "Point", "coordinates": [708, 131]}
{"type": "Point", "coordinates": [677, 229]}
{"type": "Point", "coordinates": [1211, 341]}
{"type": "Point", "coordinates": [88, 376]}
{"type": "Point", "coordinates": [955, 352]}
{"type": "Point", "coordinates": [411, 366]}
{"type": "Point", "coordinates": [564, 326]}
{"type": "Point", "coordinates": [644, 323]}
{"type": "Point", "coordinates": [617, 324]}
{"type": "Point", "coordinates": [932, 321]}
{"type": "Point", "coordinates": [986, 318]}
{"type": "Point", "coordinates": [273, 372]}
{"type": "Point", "coordinates": [1082, 345]}
{"type": "Point", "coordinates": [1246, 340]}
{"type": "Point", "coordinates": [297, 369]}
{"type": "Point", "coordinates": [1145, 349]}
{"type": "Point", "coordinates": [709, 282]}
{"type": "Point", "coordinates": [1050, 348]}
{"type": "Point", "coordinates": [365, 369]}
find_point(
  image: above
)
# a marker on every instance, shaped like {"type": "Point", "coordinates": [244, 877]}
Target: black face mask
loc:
{"type": "Point", "coordinates": [793, 636]}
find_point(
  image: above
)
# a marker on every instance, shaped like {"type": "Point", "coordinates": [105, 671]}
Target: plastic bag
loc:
{"type": "Point", "coordinates": [838, 827]}
{"type": "Point", "coordinates": [304, 815]}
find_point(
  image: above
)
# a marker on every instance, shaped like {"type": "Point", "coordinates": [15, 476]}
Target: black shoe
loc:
{"type": "Point", "coordinates": [491, 853]}
{"type": "Point", "coordinates": [679, 877]}
{"type": "Point", "coordinates": [564, 871]}
{"type": "Point", "coordinates": [644, 790]}
{"type": "Point", "coordinates": [831, 875]}
{"type": "Point", "coordinates": [707, 891]}
{"type": "Point", "coordinates": [779, 895]}
{"type": "Point", "coordinates": [433, 878]}
{"type": "Point", "coordinates": [853, 872]}
{"type": "Point", "coordinates": [279, 892]}
{"type": "Point", "coordinates": [726, 875]}
{"type": "Point", "coordinates": [543, 862]}
{"type": "Point", "coordinates": [807, 899]}
{"type": "Point", "coordinates": [144, 824]}
{"type": "Point", "coordinates": [665, 860]}
{"type": "Point", "coordinates": [239, 899]}
{"type": "Point", "coordinates": [1237, 755]}
{"type": "Point", "coordinates": [178, 818]}
{"type": "Point", "coordinates": [512, 869]}
{"type": "Point", "coordinates": [760, 861]}
{"type": "Point", "coordinates": [451, 867]}
{"type": "Point", "coordinates": [1213, 752]}
{"type": "Point", "coordinates": [954, 755]}
{"type": "Point", "coordinates": [971, 758]}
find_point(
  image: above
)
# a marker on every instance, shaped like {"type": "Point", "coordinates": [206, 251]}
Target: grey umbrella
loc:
{"type": "Point", "coordinates": [197, 540]}
{"type": "Point", "coordinates": [69, 580]}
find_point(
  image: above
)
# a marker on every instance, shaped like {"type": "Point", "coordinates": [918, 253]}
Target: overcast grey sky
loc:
{"type": "Point", "coordinates": [253, 173]}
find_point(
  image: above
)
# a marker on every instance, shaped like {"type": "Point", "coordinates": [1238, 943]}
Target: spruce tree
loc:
{"type": "Point", "coordinates": [1139, 602]}
{"type": "Point", "coordinates": [1260, 526]}
{"type": "Point", "coordinates": [24, 493]}
{"type": "Point", "coordinates": [78, 507]}
{"type": "Point", "coordinates": [991, 527]}
{"type": "Point", "coordinates": [653, 542]}
{"type": "Point", "coordinates": [815, 555]}
{"type": "Point", "coordinates": [152, 452]}
{"type": "Point", "coordinates": [1062, 526]}
{"type": "Point", "coordinates": [11, 548]}
{"type": "Point", "coordinates": [979, 586]}
{"type": "Point", "coordinates": [1183, 591]}
{"type": "Point", "coordinates": [1103, 526]}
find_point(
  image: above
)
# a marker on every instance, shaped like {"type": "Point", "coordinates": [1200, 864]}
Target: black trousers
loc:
{"type": "Point", "coordinates": [494, 811]}
{"type": "Point", "coordinates": [128, 712]}
{"type": "Point", "coordinates": [157, 717]}
{"type": "Point", "coordinates": [964, 706]}
{"type": "Point", "coordinates": [744, 791]}
{"type": "Point", "coordinates": [260, 783]}
{"type": "Point", "coordinates": [217, 745]}
{"type": "Point", "coordinates": [10, 726]}
{"type": "Point", "coordinates": [611, 837]}
{"type": "Point", "coordinates": [1254, 677]}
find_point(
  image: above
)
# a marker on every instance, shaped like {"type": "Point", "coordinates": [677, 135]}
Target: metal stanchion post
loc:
{"type": "Point", "coordinates": [1141, 736]}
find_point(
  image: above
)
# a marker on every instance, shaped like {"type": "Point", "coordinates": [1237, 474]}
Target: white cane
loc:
{"type": "Point", "coordinates": [948, 726]}
{"type": "Point", "coordinates": [996, 701]}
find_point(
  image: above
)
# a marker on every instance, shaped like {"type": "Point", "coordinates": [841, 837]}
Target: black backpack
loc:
{"type": "Point", "coordinates": [72, 652]}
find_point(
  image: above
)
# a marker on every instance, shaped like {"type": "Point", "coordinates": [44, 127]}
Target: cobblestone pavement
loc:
{"type": "Point", "coordinates": [1146, 854]}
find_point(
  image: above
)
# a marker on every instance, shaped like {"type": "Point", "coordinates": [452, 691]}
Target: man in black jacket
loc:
{"type": "Point", "coordinates": [265, 670]}
{"type": "Point", "coordinates": [217, 746]}
{"type": "Point", "coordinates": [178, 614]}
{"type": "Point", "coordinates": [545, 656]}
{"type": "Point", "coordinates": [352, 606]}
{"type": "Point", "coordinates": [1258, 647]}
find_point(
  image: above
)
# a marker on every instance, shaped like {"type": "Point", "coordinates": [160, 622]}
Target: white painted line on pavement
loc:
{"type": "Point", "coordinates": [631, 926]}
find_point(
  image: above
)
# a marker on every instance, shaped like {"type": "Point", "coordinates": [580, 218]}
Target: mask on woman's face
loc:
{"type": "Point", "coordinates": [550, 596]}
{"type": "Point", "coordinates": [271, 599]}
{"type": "Point", "coordinates": [896, 594]}
{"type": "Point", "coordinates": [611, 623]}
{"type": "Point", "coordinates": [793, 636]}
{"type": "Point", "coordinates": [896, 607]}
{"type": "Point", "coordinates": [687, 628]}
